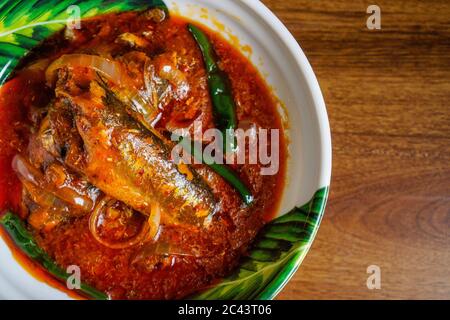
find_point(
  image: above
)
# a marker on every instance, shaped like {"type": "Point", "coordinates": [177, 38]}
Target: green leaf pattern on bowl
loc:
{"type": "Point", "coordinates": [26, 23]}
{"type": "Point", "coordinates": [275, 256]}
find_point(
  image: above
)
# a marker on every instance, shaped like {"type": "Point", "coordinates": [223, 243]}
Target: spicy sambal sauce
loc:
{"type": "Point", "coordinates": [70, 150]}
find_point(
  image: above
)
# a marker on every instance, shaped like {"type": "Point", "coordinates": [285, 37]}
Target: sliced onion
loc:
{"type": "Point", "coordinates": [28, 174]}
{"type": "Point", "coordinates": [177, 79]}
{"type": "Point", "coordinates": [154, 220]}
{"type": "Point", "coordinates": [148, 231]}
{"type": "Point", "coordinates": [141, 103]}
{"type": "Point", "coordinates": [158, 89]}
{"type": "Point", "coordinates": [145, 103]}
{"type": "Point", "coordinates": [26, 171]}
{"type": "Point", "coordinates": [112, 69]}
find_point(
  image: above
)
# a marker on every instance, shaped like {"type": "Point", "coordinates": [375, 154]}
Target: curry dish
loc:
{"type": "Point", "coordinates": [86, 144]}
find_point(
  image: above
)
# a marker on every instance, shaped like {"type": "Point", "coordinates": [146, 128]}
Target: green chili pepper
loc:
{"type": "Point", "coordinates": [225, 172]}
{"type": "Point", "coordinates": [224, 107]}
{"type": "Point", "coordinates": [18, 232]}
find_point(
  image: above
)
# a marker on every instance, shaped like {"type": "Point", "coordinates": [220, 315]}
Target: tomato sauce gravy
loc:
{"type": "Point", "coordinates": [123, 273]}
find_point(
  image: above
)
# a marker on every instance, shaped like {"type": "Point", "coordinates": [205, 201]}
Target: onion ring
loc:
{"type": "Point", "coordinates": [148, 231]}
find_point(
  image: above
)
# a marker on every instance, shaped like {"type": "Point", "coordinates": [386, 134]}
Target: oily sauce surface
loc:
{"type": "Point", "coordinates": [120, 273]}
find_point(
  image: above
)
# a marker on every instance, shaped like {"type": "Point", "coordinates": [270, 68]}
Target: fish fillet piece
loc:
{"type": "Point", "coordinates": [132, 164]}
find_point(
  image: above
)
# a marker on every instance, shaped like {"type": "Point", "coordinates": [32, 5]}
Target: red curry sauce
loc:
{"type": "Point", "coordinates": [233, 229]}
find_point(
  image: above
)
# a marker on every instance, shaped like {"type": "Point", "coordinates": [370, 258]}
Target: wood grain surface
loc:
{"type": "Point", "coordinates": [388, 96]}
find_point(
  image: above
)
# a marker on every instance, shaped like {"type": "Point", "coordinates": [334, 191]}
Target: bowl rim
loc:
{"type": "Point", "coordinates": [295, 50]}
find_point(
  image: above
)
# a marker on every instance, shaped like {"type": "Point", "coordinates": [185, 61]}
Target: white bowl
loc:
{"type": "Point", "coordinates": [283, 64]}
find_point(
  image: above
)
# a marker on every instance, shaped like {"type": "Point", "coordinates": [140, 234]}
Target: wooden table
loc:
{"type": "Point", "coordinates": [388, 96]}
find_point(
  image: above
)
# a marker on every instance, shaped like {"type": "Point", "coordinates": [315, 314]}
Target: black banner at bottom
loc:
{"type": "Point", "coordinates": [221, 309]}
